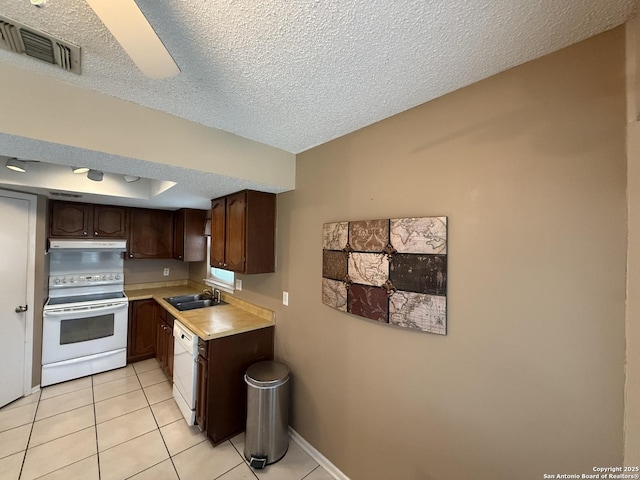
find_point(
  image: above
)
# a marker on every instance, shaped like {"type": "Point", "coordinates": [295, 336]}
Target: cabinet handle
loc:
{"type": "Point", "coordinates": [84, 233]}
{"type": "Point", "coordinates": [95, 234]}
{"type": "Point", "coordinates": [131, 255]}
{"type": "Point", "coordinates": [224, 264]}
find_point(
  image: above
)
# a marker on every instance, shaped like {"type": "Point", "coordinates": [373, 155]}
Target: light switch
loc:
{"type": "Point", "coordinates": [165, 272]}
{"type": "Point", "coordinates": [285, 298]}
{"type": "Point", "coordinates": [238, 284]}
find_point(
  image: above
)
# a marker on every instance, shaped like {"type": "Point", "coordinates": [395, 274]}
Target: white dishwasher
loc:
{"type": "Point", "coordinates": [185, 362]}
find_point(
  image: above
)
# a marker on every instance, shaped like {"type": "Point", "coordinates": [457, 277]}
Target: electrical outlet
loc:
{"type": "Point", "coordinates": [238, 284]}
{"type": "Point", "coordinates": [285, 298]}
{"type": "Point", "coordinates": [165, 272]}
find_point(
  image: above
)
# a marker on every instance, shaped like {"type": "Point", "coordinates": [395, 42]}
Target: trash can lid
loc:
{"type": "Point", "coordinates": [267, 374]}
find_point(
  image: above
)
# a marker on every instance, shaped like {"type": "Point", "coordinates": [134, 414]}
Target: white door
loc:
{"type": "Point", "coordinates": [14, 249]}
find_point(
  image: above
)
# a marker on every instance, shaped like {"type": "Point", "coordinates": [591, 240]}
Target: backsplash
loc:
{"type": "Point", "coordinates": [149, 271]}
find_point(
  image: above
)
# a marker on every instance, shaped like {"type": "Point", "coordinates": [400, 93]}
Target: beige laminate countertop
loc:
{"type": "Point", "coordinates": [210, 322]}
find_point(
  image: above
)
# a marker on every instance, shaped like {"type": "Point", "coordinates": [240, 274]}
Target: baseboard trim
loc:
{"type": "Point", "coordinates": [317, 456]}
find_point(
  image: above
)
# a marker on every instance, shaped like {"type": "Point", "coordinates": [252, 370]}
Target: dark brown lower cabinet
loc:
{"type": "Point", "coordinates": [225, 400]}
{"type": "Point", "coordinates": [221, 397]}
{"type": "Point", "coordinates": [164, 341]}
{"type": "Point", "coordinates": [168, 365]}
{"type": "Point", "coordinates": [142, 330]}
{"type": "Point", "coordinates": [202, 385]}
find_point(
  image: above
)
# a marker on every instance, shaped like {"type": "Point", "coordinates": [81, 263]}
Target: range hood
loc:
{"type": "Point", "coordinates": [87, 244]}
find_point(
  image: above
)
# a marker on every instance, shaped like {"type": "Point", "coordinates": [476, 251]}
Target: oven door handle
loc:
{"type": "Point", "coordinates": [91, 308]}
{"type": "Point", "coordinates": [93, 356]}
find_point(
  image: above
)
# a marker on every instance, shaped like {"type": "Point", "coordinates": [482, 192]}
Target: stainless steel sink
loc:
{"type": "Point", "coordinates": [191, 302]}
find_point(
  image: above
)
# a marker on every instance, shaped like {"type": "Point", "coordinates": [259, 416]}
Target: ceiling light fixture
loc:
{"type": "Point", "coordinates": [130, 178]}
{"type": "Point", "coordinates": [16, 165]}
{"type": "Point", "coordinates": [80, 169]}
{"type": "Point", "coordinates": [131, 29]}
{"type": "Point", "coordinates": [95, 175]}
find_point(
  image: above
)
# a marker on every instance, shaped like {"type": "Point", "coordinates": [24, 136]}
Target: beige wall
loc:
{"type": "Point", "coordinates": [41, 290]}
{"type": "Point", "coordinates": [529, 166]}
{"type": "Point", "coordinates": [632, 400]}
{"type": "Point", "coordinates": [632, 393]}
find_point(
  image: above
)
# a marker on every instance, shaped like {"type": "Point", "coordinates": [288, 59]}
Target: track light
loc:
{"type": "Point", "coordinates": [95, 175]}
{"type": "Point", "coordinates": [130, 178]}
{"type": "Point", "coordinates": [16, 165]}
{"type": "Point", "coordinates": [79, 169]}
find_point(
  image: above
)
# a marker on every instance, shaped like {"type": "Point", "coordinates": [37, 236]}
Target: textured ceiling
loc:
{"type": "Point", "coordinates": [290, 74]}
{"type": "Point", "coordinates": [295, 74]}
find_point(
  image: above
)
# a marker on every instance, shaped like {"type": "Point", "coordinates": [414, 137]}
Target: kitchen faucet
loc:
{"type": "Point", "coordinates": [213, 293]}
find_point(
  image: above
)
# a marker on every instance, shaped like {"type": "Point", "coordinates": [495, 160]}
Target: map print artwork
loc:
{"type": "Point", "coordinates": [334, 294]}
{"type": "Point", "coordinates": [368, 268]}
{"type": "Point", "coordinates": [392, 271]}
{"type": "Point", "coordinates": [335, 235]}
{"type": "Point", "coordinates": [419, 235]}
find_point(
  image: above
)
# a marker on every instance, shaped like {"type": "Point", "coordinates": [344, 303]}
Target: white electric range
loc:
{"type": "Point", "coordinates": [86, 316]}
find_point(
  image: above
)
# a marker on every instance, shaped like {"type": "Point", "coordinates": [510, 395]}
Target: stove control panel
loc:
{"type": "Point", "coordinates": [85, 280]}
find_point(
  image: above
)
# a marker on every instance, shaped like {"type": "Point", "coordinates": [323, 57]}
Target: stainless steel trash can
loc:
{"type": "Point", "coordinates": [266, 436]}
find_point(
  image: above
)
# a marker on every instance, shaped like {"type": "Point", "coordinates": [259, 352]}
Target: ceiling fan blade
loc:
{"type": "Point", "coordinates": [133, 32]}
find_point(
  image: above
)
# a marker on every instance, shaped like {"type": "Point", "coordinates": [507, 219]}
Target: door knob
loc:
{"type": "Point", "coordinates": [21, 308]}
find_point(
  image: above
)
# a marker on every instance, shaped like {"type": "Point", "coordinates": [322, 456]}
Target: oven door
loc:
{"type": "Point", "coordinates": [74, 332]}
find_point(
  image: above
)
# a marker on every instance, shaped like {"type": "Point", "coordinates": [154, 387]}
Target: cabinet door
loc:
{"type": "Point", "coordinates": [218, 229]}
{"type": "Point", "coordinates": [150, 233]}
{"type": "Point", "coordinates": [160, 344]}
{"type": "Point", "coordinates": [189, 242]}
{"type": "Point", "coordinates": [109, 221]}
{"type": "Point", "coordinates": [70, 219]}
{"type": "Point", "coordinates": [229, 358]}
{"type": "Point", "coordinates": [235, 242]}
{"type": "Point", "coordinates": [260, 233]}
{"type": "Point", "coordinates": [178, 234]}
{"type": "Point", "coordinates": [201, 393]}
{"type": "Point", "coordinates": [168, 365]}
{"type": "Point", "coordinates": [142, 330]}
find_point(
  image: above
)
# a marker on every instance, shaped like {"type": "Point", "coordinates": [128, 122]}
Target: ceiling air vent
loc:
{"type": "Point", "coordinates": [20, 38]}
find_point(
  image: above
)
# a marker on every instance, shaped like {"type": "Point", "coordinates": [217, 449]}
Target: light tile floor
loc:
{"type": "Point", "coordinates": [124, 424]}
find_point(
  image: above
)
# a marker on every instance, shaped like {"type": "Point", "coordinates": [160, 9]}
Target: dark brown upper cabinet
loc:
{"type": "Point", "coordinates": [189, 242]}
{"type": "Point", "coordinates": [83, 220]}
{"type": "Point", "coordinates": [243, 227]}
{"type": "Point", "coordinates": [218, 231]}
{"type": "Point", "coordinates": [150, 233]}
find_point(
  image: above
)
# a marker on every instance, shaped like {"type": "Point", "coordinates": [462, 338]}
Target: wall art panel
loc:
{"type": "Point", "coordinates": [334, 264]}
{"type": "Point", "coordinates": [392, 271]}
{"type": "Point", "coordinates": [334, 294]}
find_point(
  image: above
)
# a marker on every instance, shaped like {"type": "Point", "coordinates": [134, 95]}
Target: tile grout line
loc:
{"type": "Point", "coordinates": [243, 459]}
{"type": "Point", "coordinates": [31, 433]}
{"type": "Point", "coordinates": [234, 467]}
{"type": "Point", "coordinates": [26, 448]}
{"type": "Point", "coordinates": [95, 426]}
{"type": "Point", "coordinates": [158, 425]}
